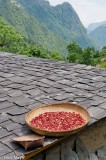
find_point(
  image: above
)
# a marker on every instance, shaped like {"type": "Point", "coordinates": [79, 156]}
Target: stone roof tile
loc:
{"type": "Point", "coordinates": [27, 82]}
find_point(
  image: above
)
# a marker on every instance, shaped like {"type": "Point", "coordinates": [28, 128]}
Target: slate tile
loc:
{"type": "Point", "coordinates": [9, 142]}
{"type": "Point", "coordinates": [11, 126]}
{"type": "Point", "coordinates": [97, 78]}
{"type": "Point", "coordinates": [3, 118]}
{"type": "Point", "coordinates": [59, 86]}
{"type": "Point", "coordinates": [97, 100]}
{"type": "Point", "coordinates": [97, 112]}
{"type": "Point", "coordinates": [28, 87]}
{"type": "Point", "coordinates": [4, 133]}
{"type": "Point", "coordinates": [4, 91]}
{"type": "Point", "coordinates": [5, 104]}
{"type": "Point", "coordinates": [34, 105]}
{"type": "Point", "coordinates": [71, 90]}
{"type": "Point", "coordinates": [47, 101]}
{"type": "Point", "coordinates": [17, 111]}
{"type": "Point", "coordinates": [69, 82]}
{"type": "Point", "coordinates": [83, 86]}
{"type": "Point", "coordinates": [3, 124]}
{"type": "Point", "coordinates": [93, 120]}
{"type": "Point", "coordinates": [98, 84]}
{"type": "Point", "coordinates": [5, 83]}
{"type": "Point", "coordinates": [87, 103]}
{"type": "Point", "coordinates": [20, 80]}
{"type": "Point", "coordinates": [38, 74]}
{"type": "Point", "coordinates": [15, 93]}
{"type": "Point", "coordinates": [34, 92]}
{"type": "Point", "coordinates": [7, 138]}
{"type": "Point", "coordinates": [83, 93]}
{"type": "Point", "coordinates": [5, 110]}
{"type": "Point", "coordinates": [2, 94]}
{"type": "Point", "coordinates": [102, 94]}
{"type": "Point", "coordinates": [6, 75]}
{"type": "Point", "coordinates": [4, 150]}
{"type": "Point", "coordinates": [103, 105]}
{"type": "Point", "coordinates": [66, 82]}
{"type": "Point", "coordinates": [9, 156]}
{"type": "Point", "coordinates": [24, 101]}
{"type": "Point", "coordinates": [62, 96]}
{"type": "Point", "coordinates": [20, 152]}
{"type": "Point", "coordinates": [46, 81]}
{"type": "Point", "coordinates": [54, 77]}
{"type": "Point", "coordinates": [2, 79]}
{"type": "Point", "coordinates": [14, 99]}
{"type": "Point", "coordinates": [80, 99]}
{"type": "Point", "coordinates": [41, 96]}
{"type": "Point", "coordinates": [2, 99]}
{"type": "Point", "coordinates": [40, 84]}
{"type": "Point", "coordinates": [50, 90]}
{"type": "Point", "coordinates": [15, 86]}
{"type": "Point", "coordinates": [22, 131]}
{"type": "Point", "coordinates": [18, 119]}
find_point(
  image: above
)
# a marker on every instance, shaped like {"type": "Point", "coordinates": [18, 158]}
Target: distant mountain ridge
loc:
{"type": "Point", "coordinates": [39, 22]}
{"type": "Point", "coordinates": [99, 35]}
{"type": "Point", "coordinates": [61, 19]}
{"type": "Point", "coordinates": [93, 26]}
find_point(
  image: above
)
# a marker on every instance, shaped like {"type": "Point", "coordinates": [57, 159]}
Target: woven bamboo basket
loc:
{"type": "Point", "coordinates": [66, 107]}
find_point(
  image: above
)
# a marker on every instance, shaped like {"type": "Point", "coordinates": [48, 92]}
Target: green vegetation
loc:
{"type": "Point", "coordinates": [51, 27]}
{"type": "Point", "coordinates": [61, 20]}
{"type": "Point", "coordinates": [12, 41]}
{"type": "Point", "coordinates": [30, 27]}
{"type": "Point", "coordinates": [88, 56]}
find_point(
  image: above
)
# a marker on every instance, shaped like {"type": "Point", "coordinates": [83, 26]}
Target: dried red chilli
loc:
{"type": "Point", "coordinates": [58, 121]}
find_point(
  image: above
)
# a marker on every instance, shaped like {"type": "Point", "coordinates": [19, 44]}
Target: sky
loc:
{"type": "Point", "coordinates": [89, 11]}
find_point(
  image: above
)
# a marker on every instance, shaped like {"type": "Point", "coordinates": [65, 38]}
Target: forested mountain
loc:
{"type": "Point", "coordinates": [39, 22]}
{"type": "Point", "coordinates": [99, 35]}
{"type": "Point", "coordinates": [61, 19]}
{"type": "Point", "coordinates": [30, 27]}
{"type": "Point", "coordinates": [13, 42]}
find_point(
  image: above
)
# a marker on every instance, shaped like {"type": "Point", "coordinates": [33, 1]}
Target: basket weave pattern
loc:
{"type": "Point", "coordinates": [66, 107]}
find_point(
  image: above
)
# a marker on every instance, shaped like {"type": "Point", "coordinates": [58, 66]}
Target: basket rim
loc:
{"type": "Point", "coordinates": [53, 104]}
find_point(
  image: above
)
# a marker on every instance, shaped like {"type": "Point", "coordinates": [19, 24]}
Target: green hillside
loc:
{"type": "Point", "coordinates": [39, 22]}
{"type": "Point", "coordinates": [13, 42]}
{"type": "Point", "coordinates": [61, 20]}
{"type": "Point", "coordinates": [30, 27]}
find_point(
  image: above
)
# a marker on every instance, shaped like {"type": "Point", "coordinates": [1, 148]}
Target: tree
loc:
{"type": "Point", "coordinates": [56, 56]}
{"type": "Point", "coordinates": [74, 52]}
{"type": "Point", "coordinates": [74, 47]}
{"type": "Point", "coordinates": [88, 55]}
{"type": "Point", "coordinates": [10, 40]}
{"type": "Point", "coordinates": [35, 51]}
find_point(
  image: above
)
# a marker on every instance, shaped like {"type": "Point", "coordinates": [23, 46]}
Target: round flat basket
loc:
{"type": "Point", "coordinates": [58, 107]}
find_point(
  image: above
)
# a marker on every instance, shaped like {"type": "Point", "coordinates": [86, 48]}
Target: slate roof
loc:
{"type": "Point", "coordinates": [26, 83]}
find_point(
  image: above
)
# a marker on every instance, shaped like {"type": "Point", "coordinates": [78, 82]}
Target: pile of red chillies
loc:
{"type": "Point", "coordinates": [58, 121]}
